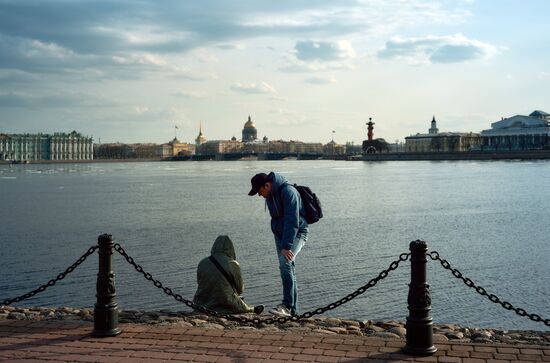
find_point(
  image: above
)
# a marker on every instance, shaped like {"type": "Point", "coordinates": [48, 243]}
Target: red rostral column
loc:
{"type": "Point", "coordinates": [370, 125]}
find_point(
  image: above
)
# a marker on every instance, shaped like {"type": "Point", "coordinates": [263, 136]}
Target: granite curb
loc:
{"type": "Point", "coordinates": [320, 325]}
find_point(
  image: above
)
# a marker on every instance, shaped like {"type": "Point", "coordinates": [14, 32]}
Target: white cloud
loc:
{"type": "Point", "coordinates": [204, 56]}
{"type": "Point", "coordinates": [141, 59]}
{"type": "Point", "coordinates": [283, 112]}
{"type": "Point", "coordinates": [141, 109]}
{"type": "Point", "coordinates": [231, 46]}
{"type": "Point", "coordinates": [139, 33]}
{"type": "Point", "coordinates": [278, 98]}
{"type": "Point", "coordinates": [191, 94]}
{"type": "Point", "coordinates": [321, 80]}
{"type": "Point", "coordinates": [253, 88]}
{"type": "Point", "coordinates": [193, 75]}
{"type": "Point", "coordinates": [310, 50]}
{"type": "Point", "coordinates": [437, 49]}
{"type": "Point", "coordinates": [60, 100]}
{"type": "Point", "coordinates": [293, 65]}
{"type": "Point", "coordinates": [36, 48]}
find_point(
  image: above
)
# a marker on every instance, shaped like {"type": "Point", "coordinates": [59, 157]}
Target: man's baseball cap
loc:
{"type": "Point", "coordinates": [257, 182]}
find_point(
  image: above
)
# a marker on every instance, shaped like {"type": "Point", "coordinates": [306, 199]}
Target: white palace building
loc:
{"type": "Point", "coordinates": [59, 146]}
{"type": "Point", "coordinates": [518, 133]}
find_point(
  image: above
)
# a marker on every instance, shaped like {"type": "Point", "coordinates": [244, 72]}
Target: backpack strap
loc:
{"type": "Point", "coordinates": [227, 276]}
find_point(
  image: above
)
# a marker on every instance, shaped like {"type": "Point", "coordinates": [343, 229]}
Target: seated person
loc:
{"type": "Point", "coordinates": [220, 283]}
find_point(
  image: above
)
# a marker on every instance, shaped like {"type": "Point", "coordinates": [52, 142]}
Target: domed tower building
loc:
{"type": "Point", "coordinates": [250, 133]}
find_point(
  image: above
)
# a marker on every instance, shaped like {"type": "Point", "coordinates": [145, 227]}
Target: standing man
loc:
{"type": "Point", "coordinates": [290, 229]}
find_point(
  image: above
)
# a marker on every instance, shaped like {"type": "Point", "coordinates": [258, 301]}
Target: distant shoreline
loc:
{"type": "Point", "coordinates": [409, 156]}
{"type": "Point", "coordinates": [3, 162]}
{"type": "Point", "coordinates": [457, 156]}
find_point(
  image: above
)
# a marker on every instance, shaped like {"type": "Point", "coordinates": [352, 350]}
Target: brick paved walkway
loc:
{"type": "Point", "coordinates": [38, 341]}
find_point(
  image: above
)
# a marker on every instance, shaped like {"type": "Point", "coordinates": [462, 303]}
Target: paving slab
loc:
{"type": "Point", "coordinates": [59, 341]}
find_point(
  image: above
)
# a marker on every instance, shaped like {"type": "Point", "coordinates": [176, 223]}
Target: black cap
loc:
{"type": "Point", "coordinates": [257, 182]}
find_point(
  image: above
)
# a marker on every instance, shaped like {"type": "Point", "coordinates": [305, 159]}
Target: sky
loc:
{"type": "Point", "coordinates": [309, 70]}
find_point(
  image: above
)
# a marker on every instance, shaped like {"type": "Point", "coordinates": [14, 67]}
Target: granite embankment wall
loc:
{"type": "Point", "coordinates": [500, 155]}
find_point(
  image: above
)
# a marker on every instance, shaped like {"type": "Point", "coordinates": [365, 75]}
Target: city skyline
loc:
{"type": "Point", "coordinates": [309, 71]}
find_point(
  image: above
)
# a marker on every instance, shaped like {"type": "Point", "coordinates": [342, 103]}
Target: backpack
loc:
{"type": "Point", "coordinates": [312, 204]}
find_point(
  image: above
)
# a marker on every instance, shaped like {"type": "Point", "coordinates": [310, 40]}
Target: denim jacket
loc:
{"type": "Point", "coordinates": [286, 210]}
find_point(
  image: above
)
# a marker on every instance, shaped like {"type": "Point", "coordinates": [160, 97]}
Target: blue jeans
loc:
{"type": "Point", "coordinates": [288, 276]}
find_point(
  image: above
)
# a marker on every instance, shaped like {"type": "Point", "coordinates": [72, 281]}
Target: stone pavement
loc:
{"type": "Point", "coordinates": [63, 341]}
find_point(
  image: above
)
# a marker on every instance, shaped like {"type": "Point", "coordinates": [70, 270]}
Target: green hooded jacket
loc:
{"type": "Point", "coordinates": [214, 291]}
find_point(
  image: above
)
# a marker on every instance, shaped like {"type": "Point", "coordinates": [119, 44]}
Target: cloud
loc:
{"type": "Point", "coordinates": [231, 46]}
{"type": "Point", "coordinates": [192, 75]}
{"type": "Point", "coordinates": [33, 55]}
{"type": "Point", "coordinates": [141, 109]}
{"type": "Point", "coordinates": [58, 100]}
{"type": "Point", "coordinates": [309, 50]}
{"type": "Point", "coordinates": [125, 39]}
{"type": "Point", "coordinates": [437, 49]}
{"type": "Point", "coordinates": [294, 65]}
{"type": "Point", "coordinates": [283, 112]}
{"type": "Point", "coordinates": [278, 98]}
{"type": "Point", "coordinates": [190, 94]}
{"type": "Point", "coordinates": [253, 88]}
{"type": "Point", "coordinates": [321, 80]}
{"type": "Point", "coordinates": [164, 26]}
{"type": "Point", "coordinates": [141, 59]}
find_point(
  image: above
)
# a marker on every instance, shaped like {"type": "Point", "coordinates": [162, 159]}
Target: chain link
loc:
{"type": "Point", "coordinates": [434, 255]}
{"type": "Point", "coordinates": [52, 282]}
{"type": "Point", "coordinates": [272, 320]}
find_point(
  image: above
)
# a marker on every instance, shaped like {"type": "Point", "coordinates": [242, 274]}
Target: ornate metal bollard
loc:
{"type": "Point", "coordinates": [419, 321]}
{"type": "Point", "coordinates": [106, 307]}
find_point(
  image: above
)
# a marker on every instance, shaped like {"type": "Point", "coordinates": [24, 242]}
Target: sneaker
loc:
{"type": "Point", "coordinates": [280, 310]}
{"type": "Point", "coordinates": [258, 309]}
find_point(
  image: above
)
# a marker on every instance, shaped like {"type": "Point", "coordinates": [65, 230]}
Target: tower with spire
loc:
{"type": "Point", "coordinates": [200, 138]}
{"type": "Point", "coordinates": [433, 129]}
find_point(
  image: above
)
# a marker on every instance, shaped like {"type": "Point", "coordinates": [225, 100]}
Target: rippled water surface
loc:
{"type": "Point", "coordinates": [488, 219]}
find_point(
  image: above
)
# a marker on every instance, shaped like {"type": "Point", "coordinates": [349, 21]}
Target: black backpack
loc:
{"type": "Point", "coordinates": [312, 204]}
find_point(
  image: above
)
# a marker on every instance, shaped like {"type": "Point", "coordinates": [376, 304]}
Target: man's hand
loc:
{"type": "Point", "coordinates": [289, 255]}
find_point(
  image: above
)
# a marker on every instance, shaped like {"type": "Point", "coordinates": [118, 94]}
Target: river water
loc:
{"type": "Point", "coordinates": [489, 219]}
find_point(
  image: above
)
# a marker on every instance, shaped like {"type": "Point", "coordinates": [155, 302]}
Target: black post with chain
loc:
{"type": "Point", "coordinates": [106, 307]}
{"type": "Point", "coordinates": [419, 322]}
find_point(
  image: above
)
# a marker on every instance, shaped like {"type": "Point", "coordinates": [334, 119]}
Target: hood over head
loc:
{"type": "Point", "coordinates": [224, 246]}
{"type": "Point", "coordinates": [277, 179]}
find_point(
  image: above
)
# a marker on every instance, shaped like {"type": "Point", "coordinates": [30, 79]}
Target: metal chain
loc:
{"type": "Point", "coordinates": [434, 255]}
{"type": "Point", "coordinates": [52, 282]}
{"type": "Point", "coordinates": [244, 319]}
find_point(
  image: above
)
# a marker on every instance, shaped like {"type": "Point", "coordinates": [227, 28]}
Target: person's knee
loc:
{"type": "Point", "coordinates": [284, 264]}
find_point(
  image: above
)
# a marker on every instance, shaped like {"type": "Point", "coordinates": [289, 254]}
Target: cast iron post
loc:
{"type": "Point", "coordinates": [419, 321]}
{"type": "Point", "coordinates": [106, 307]}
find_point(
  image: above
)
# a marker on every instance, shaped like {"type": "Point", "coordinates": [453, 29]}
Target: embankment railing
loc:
{"type": "Point", "coordinates": [419, 332]}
